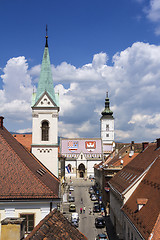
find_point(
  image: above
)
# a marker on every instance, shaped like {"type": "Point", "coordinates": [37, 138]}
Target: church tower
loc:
{"type": "Point", "coordinates": [107, 128]}
{"type": "Point", "coordinates": [45, 108]}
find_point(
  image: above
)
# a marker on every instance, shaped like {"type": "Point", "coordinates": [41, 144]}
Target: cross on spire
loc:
{"type": "Point", "coordinates": [46, 36]}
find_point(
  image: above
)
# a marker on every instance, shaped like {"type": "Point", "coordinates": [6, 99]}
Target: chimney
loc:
{"type": "Point", "coordinates": [132, 145]}
{"type": "Point", "coordinates": [12, 229]}
{"type": "Point", "coordinates": [1, 122]}
{"type": "Point", "coordinates": [158, 142]}
{"type": "Point", "coordinates": [131, 153]}
{"type": "Point", "coordinates": [144, 145]}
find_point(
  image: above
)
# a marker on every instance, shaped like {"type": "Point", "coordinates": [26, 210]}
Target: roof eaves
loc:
{"type": "Point", "coordinates": [115, 190]}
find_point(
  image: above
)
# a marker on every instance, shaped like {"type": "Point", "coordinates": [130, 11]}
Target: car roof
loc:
{"type": "Point", "coordinates": [102, 235]}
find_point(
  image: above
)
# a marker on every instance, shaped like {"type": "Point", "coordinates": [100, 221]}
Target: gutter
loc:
{"type": "Point", "coordinates": [115, 190]}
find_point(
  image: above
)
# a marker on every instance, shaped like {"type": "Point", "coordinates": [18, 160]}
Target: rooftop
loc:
{"type": "Point", "coordinates": [55, 226]}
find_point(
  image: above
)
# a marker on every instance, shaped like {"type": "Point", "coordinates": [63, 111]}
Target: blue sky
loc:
{"type": "Point", "coordinates": [95, 46]}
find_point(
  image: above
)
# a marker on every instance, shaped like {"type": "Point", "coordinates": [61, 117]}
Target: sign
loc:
{"type": "Point", "coordinates": [90, 145]}
{"type": "Point", "coordinates": [73, 146]}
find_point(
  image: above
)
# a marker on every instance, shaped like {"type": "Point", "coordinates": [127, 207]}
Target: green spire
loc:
{"type": "Point", "coordinates": [107, 112]}
{"type": "Point", "coordinates": [45, 83]}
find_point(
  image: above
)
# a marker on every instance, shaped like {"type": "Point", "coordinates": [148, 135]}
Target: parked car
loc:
{"type": "Point", "coordinates": [100, 222]}
{"type": "Point", "coordinates": [71, 199]}
{"type": "Point", "coordinates": [101, 236]}
{"type": "Point", "coordinates": [91, 190]}
{"type": "Point", "coordinates": [96, 203]}
{"type": "Point", "coordinates": [72, 208]}
{"type": "Point", "coordinates": [74, 216]}
{"type": "Point", "coordinates": [75, 223]}
{"type": "Point", "coordinates": [93, 198]}
{"type": "Point", "coordinates": [71, 188]}
{"type": "Point", "coordinates": [91, 177]}
{"type": "Point", "coordinates": [91, 194]}
{"type": "Point", "coordinates": [96, 208]}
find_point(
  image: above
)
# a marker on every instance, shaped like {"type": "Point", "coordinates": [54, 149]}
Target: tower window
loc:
{"type": "Point", "coordinates": [107, 135]}
{"type": "Point", "coordinates": [45, 131]}
{"type": "Point", "coordinates": [107, 127]}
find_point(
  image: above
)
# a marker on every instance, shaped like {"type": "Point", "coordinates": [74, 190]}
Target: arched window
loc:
{"type": "Point", "coordinates": [45, 131]}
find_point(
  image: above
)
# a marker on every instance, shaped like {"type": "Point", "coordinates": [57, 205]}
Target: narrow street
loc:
{"type": "Point", "coordinates": [87, 222]}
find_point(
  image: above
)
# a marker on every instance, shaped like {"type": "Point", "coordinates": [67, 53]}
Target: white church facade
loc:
{"type": "Point", "coordinates": [81, 154]}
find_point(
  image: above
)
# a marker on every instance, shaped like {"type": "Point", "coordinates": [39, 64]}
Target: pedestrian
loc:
{"type": "Point", "coordinates": [80, 210]}
{"type": "Point", "coordinates": [90, 211]}
{"type": "Point", "coordinates": [84, 209]}
{"type": "Point", "coordinates": [82, 200]}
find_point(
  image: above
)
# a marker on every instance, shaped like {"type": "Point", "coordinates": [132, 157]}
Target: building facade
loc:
{"type": "Point", "coordinates": [81, 155]}
{"type": "Point", "coordinates": [45, 108]}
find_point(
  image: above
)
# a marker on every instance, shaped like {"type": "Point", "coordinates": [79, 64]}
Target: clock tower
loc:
{"type": "Point", "coordinates": [45, 108]}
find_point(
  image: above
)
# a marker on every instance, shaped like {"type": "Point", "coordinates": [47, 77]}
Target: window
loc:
{"type": "Point", "coordinates": [107, 127]}
{"type": "Point", "coordinates": [29, 222]}
{"type": "Point", "coordinates": [45, 131]}
{"type": "Point", "coordinates": [107, 135]}
{"type": "Point", "coordinates": [131, 236]}
{"type": "Point", "coordinates": [128, 233]}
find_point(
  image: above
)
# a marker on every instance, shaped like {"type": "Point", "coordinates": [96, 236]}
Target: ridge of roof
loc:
{"type": "Point", "coordinates": [80, 139]}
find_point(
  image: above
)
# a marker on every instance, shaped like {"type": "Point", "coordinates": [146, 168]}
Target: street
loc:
{"type": "Point", "coordinates": [87, 221]}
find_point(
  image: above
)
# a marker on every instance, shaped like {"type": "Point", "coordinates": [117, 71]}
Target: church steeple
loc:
{"type": "Point", "coordinates": [107, 128]}
{"type": "Point", "coordinates": [45, 109]}
{"type": "Point", "coordinates": [45, 83]}
{"type": "Point", "coordinates": [107, 112]}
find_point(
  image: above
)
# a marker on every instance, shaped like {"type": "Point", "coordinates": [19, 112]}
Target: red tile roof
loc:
{"type": "Point", "coordinates": [130, 173]}
{"type": "Point", "coordinates": [126, 159]}
{"type": "Point", "coordinates": [22, 175]}
{"type": "Point", "coordinates": [147, 219]}
{"type": "Point", "coordinates": [24, 139]}
{"type": "Point", "coordinates": [55, 226]}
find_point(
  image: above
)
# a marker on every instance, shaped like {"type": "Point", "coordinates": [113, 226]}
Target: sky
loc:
{"type": "Point", "coordinates": [95, 46]}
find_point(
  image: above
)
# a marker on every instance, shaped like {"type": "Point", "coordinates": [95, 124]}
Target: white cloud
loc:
{"type": "Point", "coordinates": [154, 11]}
{"type": "Point", "coordinates": [16, 94]}
{"type": "Point", "coordinates": [153, 14]}
{"type": "Point", "coordinates": [133, 82]}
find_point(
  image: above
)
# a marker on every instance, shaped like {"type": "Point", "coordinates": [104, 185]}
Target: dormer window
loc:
{"type": "Point", "coordinates": [45, 131]}
{"type": "Point", "coordinates": [141, 202]}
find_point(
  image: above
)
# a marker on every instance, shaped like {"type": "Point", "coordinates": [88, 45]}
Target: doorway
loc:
{"type": "Point", "coordinates": [81, 169]}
